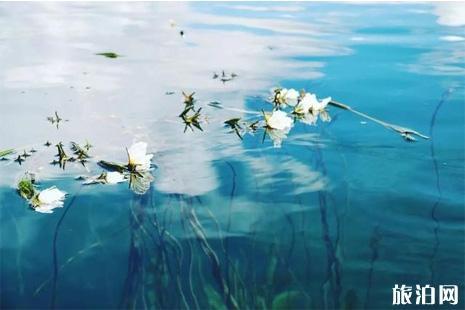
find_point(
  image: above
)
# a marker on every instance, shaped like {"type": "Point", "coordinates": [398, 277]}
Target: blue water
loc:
{"type": "Point", "coordinates": [334, 218]}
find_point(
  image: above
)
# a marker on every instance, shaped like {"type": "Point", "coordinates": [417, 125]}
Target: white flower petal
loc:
{"type": "Point", "coordinates": [114, 177]}
{"type": "Point", "coordinates": [51, 195]}
{"type": "Point", "coordinates": [279, 120]}
{"type": "Point", "coordinates": [307, 103]}
{"type": "Point", "coordinates": [321, 105]}
{"type": "Point", "coordinates": [138, 156]}
{"type": "Point", "coordinates": [48, 208]}
{"type": "Point", "coordinates": [291, 97]}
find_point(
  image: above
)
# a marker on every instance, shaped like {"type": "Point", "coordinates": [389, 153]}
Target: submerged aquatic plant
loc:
{"type": "Point", "coordinates": [41, 201]}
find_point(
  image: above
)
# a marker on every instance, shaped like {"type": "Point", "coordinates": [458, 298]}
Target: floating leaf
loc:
{"type": "Point", "coordinates": [62, 157]}
{"type": "Point", "coordinates": [108, 54]}
{"type": "Point", "coordinates": [233, 123]}
{"type": "Point", "coordinates": [80, 152]}
{"type": "Point", "coordinates": [6, 152]}
{"type": "Point", "coordinates": [192, 120]}
{"type": "Point", "coordinates": [26, 187]}
{"type": "Point", "coordinates": [189, 99]}
{"type": "Point", "coordinates": [19, 159]}
{"type": "Point", "coordinates": [215, 104]}
{"type": "Point", "coordinates": [112, 166]}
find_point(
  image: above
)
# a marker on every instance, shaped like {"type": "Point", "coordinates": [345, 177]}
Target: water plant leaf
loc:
{"type": "Point", "coordinates": [112, 166]}
{"type": "Point", "coordinates": [214, 299]}
{"type": "Point", "coordinates": [6, 152]}
{"type": "Point", "coordinates": [19, 159]}
{"type": "Point", "coordinates": [192, 120]}
{"type": "Point", "coordinates": [351, 300]}
{"type": "Point", "coordinates": [80, 152]}
{"type": "Point", "coordinates": [233, 123]}
{"type": "Point", "coordinates": [290, 300]}
{"type": "Point", "coordinates": [189, 98]}
{"type": "Point", "coordinates": [108, 54]}
{"type": "Point", "coordinates": [215, 104]}
{"type": "Point", "coordinates": [62, 157]}
{"type": "Point", "coordinates": [56, 119]}
{"type": "Point", "coordinates": [26, 187]}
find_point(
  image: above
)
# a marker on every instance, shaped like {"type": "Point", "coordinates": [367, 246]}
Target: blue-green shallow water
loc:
{"type": "Point", "coordinates": [334, 218]}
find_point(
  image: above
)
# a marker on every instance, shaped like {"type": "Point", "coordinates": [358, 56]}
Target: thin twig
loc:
{"type": "Point", "coordinates": [404, 131]}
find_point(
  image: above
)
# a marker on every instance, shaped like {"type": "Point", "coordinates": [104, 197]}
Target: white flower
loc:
{"type": "Point", "coordinates": [284, 96]}
{"type": "Point", "coordinates": [278, 120]}
{"type": "Point", "coordinates": [291, 96]}
{"type": "Point", "coordinates": [319, 106]}
{"type": "Point", "coordinates": [138, 157]}
{"type": "Point", "coordinates": [305, 104]}
{"type": "Point", "coordinates": [50, 199]}
{"type": "Point", "coordinates": [114, 177]}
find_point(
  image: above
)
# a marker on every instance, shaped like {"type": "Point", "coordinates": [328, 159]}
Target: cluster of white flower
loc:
{"type": "Point", "coordinates": [306, 108]}
{"type": "Point", "coordinates": [137, 171]}
{"type": "Point", "coordinates": [49, 199]}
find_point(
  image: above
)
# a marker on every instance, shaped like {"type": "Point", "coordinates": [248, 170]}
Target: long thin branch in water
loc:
{"type": "Point", "coordinates": [54, 250]}
{"type": "Point", "coordinates": [407, 133]}
{"type": "Point", "coordinates": [444, 97]}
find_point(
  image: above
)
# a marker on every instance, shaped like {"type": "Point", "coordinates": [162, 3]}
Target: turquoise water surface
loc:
{"type": "Point", "coordinates": [333, 219]}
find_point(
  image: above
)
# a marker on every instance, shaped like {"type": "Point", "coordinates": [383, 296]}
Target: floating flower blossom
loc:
{"type": "Point", "coordinates": [320, 105]}
{"type": "Point", "coordinates": [139, 160]}
{"type": "Point", "coordinates": [278, 120]}
{"type": "Point", "coordinates": [284, 96]}
{"type": "Point", "coordinates": [305, 104]}
{"type": "Point", "coordinates": [291, 96]}
{"type": "Point", "coordinates": [48, 199]}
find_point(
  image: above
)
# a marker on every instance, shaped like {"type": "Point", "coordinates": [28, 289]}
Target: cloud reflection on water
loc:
{"type": "Point", "coordinates": [51, 48]}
